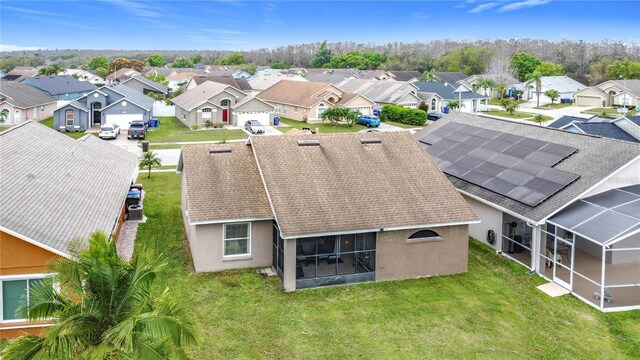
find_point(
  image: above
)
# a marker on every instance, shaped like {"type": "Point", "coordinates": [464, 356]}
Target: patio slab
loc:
{"type": "Point", "coordinates": [552, 289]}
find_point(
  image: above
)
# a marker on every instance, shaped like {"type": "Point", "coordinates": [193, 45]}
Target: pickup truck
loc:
{"type": "Point", "coordinates": [137, 130]}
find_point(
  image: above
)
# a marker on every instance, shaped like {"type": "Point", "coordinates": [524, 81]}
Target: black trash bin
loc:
{"type": "Point", "coordinates": [145, 146]}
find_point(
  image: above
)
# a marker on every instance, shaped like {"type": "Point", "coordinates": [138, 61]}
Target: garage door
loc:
{"type": "Point", "coordinates": [263, 116]}
{"type": "Point", "coordinates": [122, 120]}
{"type": "Point", "coordinates": [593, 101]}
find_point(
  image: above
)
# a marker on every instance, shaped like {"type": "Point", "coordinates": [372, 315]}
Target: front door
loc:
{"type": "Point", "coordinates": [225, 115]}
{"type": "Point", "coordinates": [97, 117]}
{"type": "Point", "coordinates": [563, 262]}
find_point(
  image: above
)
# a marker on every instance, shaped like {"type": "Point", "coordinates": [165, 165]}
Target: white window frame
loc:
{"type": "Point", "coordinates": [276, 108]}
{"type": "Point", "coordinates": [66, 117]}
{"type": "Point", "coordinates": [14, 278]}
{"type": "Point", "coordinates": [320, 106]}
{"type": "Point", "coordinates": [224, 240]}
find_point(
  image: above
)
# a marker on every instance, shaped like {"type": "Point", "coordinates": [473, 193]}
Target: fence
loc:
{"type": "Point", "coordinates": [162, 109]}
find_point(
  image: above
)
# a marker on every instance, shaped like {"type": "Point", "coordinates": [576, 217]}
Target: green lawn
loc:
{"type": "Point", "coordinates": [610, 111]}
{"type": "Point", "coordinates": [555, 106]}
{"type": "Point", "coordinates": [516, 115]}
{"type": "Point", "coordinates": [496, 101]}
{"type": "Point", "coordinates": [404, 126]}
{"type": "Point", "coordinates": [76, 135]}
{"type": "Point", "coordinates": [493, 311]}
{"type": "Point", "coordinates": [172, 130]}
{"type": "Point", "coordinates": [324, 127]}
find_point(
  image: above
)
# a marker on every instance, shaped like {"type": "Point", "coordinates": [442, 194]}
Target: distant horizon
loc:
{"type": "Point", "coordinates": [230, 25]}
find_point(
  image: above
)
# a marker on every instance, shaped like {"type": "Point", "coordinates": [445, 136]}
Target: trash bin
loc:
{"type": "Point", "coordinates": [445, 110]}
{"type": "Point", "coordinates": [145, 146]}
{"type": "Point", "coordinates": [153, 123]}
{"type": "Point", "coordinates": [376, 112]}
{"type": "Point", "coordinates": [276, 120]}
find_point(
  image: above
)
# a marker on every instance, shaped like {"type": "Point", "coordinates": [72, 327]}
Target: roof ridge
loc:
{"type": "Point", "coordinates": [16, 127]}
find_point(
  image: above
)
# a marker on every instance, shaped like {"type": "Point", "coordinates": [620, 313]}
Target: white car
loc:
{"type": "Point", "coordinates": [254, 127]}
{"type": "Point", "coordinates": [109, 131]}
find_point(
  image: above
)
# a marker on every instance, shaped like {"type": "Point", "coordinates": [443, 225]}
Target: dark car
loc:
{"type": "Point", "coordinates": [137, 130]}
{"type": "Point", "coordinates": [434, 115]}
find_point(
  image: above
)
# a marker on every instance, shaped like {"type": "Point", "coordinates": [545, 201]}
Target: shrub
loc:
{"type": "Point", "coordinates": [208, 124]}
{"type": "Point", "coordinates": [218, 125]}
{"type": "Point", "coordinates": [403, 115]}
{"type": "Point", "coordinates": [195, 127]}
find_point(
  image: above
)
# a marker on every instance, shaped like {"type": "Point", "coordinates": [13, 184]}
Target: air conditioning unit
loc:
{"type": "Point", "coordinates": [135, 212]}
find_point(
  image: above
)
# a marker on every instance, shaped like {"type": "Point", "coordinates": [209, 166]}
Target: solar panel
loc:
{"type": "Point", "coordinates": [510, 165]}
{"type": "Point", "coordinates": [635, 189]}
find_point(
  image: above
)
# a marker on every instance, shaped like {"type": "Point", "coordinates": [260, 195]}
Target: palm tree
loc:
{"type": "Point", "coordinates": [455, 104]}
{"type": "Point", "coordinates": [485, 84]}
{"type": "Point", "coordinates": [502, 89]}
{"type": "Point", "coordinates": [149, 160]}
{"type": "Point", "coordinates": [536, 78]}
{"type": "Point", "coordinates": [428, 76]}
{"type": "Point", "coordinates": [510, 105]}
{"type": "Point", "coordinates": [336, 114]}
{"type": "Point", "coordinates": [539, 118]}
{"type": "Point", "coordinates": [103, 307]}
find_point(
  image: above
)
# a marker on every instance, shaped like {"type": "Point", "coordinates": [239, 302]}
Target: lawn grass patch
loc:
{"type": "Point", "coordinates": [492, 311]}
{"type": "Point", "coordinates": [555, 106]}
{"type": "Point", "coordinates": [48, 122]}
{"type": "Point", "coordinates": [404, 126]}
{"type": "Point", "coordinates": [496, 101]}
{"type": "Point", "coordinates": [609, 111]}
{"type": "Point", "coordinates": [516, 115]}
{"type": "Point", "coordinates": [172, 130]}
{"type": "Point", "coordinates": [324, 127]}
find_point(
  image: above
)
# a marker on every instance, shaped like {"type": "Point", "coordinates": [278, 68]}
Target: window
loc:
{"type": "Point", "coordinates": [433, 104]}
{"type": "Point", "coordinates": [284, 109]}
{"type": "Point", "coordinates": [4, 116]}
{"type": "Point", "coordinates": [424, 236]}
{"type": "Point", "coordinates": [276, 108]}
{"type": "Point", "coordinates": [295, 109]}
{"type": "Point", "coordinates": [14, 294]}
{"type": "Point", "coordinates": [321, 109]}
{"type": "Point", "coordinates": [206, 113]}
{"type": "Point", "coordinates": [225, 103]}
{"type": "Point", "coordinates": [237, 239]}
{"type": "Point", "coordinates": [16, 117]}
{"type": "Point", "coordinates": [70, 117]}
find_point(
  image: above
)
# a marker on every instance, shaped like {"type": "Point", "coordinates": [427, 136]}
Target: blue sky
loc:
{"type": "Point", "coordinates": [243, 25]}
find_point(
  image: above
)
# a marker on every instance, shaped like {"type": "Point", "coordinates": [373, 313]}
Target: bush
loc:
{"type": "Point", "coordinates": [403, 115]}
{"type": "Point", "coordinates": [208, 124]}
{"type": "Point", "coordinates": [195, 127]}
{"type": "Point", "coordinates": [218, 125]}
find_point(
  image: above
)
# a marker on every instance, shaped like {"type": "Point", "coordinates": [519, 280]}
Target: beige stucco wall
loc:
{"type": "Point", "coordinates": [398, 259]}
{"type": "Point", "coordinates": [206, 248]}
{"type": "Point", "coordinates": [36, 113]}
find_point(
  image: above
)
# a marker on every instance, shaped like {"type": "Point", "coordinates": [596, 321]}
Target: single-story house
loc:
{"type": "Point", "coordinates": [238, 83]}
{"type": "Point", "coordinates": [566, 86]}
{"type": "Point", "coordinates": [621, 128]}
{"type": "Point", "coordinates": [470, 101]}
{"type": "Point", "coordinates": [471, 82]}
{"type": "Point", "coordinates": [220, 103]}
{"type": "Point", "coordinates": [610, 93]}
{"type": "Point", "coordinates": [114, 103]}
{"type": "Point", "coordinates": [302, 101]}
{"type": "Point", "coordinates": [374, 75]}
{"type": "Point", "coordinates": [145, 86]}
{"type": "Point", "coordinates": [20, 102]}
{"type": "Point", "coordinates": [20, 72]}
{"type": "Point", "coordinates": [86, 75]}
{"type": "Point", "coordinates": [564, 205]}
{"type": "Point", "coordinates": [264, 79]}
{"type": "Point", "coordinates": [121, 75]}
{"type": "Point", "coordinates": [61, 87]}
{"type": "Point", "coordinates": [167, 72]}
{"type": "Point", "coordinates": [384, 92]}
{"type": "Point", "coordinates": [299, 220]}
{"type": "Point", "coordinates": [54, 195]}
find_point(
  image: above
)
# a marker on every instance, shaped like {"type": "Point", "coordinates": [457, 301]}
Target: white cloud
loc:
{"type": "Point", "coordinates": [225, 31]}
{"type": "Point", "coordinates": [8, 47]}
{"type": "Point", "coordinates": [420, 15]}
{"type": "Point", "coordinates": [483, 7]}
{"type": "Point", "coordinates": [522, 5]}
{"type": "Point", "coordinates": [137, 8]}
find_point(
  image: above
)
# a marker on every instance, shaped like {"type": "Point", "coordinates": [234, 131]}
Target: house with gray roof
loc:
{"type": "Point", "coordinates": [20, 102]}
{"type": "Point", "coordinates": [55, 194]}
{"type": "Point", "coordinates": [449, 77]}
{"type": "Point", "coordinates": [61, 87]}
{"type": "Point", "coordinates": [610, 93]}
{"type": "Point", "coordinates": [383, 92]}
{"type": "Point", "coordinates": [238, 83]}
{"type": "Point", "coordinates": [293, 218]}
{"type": "Point", "coordinates": [20, 72]}
{"type": "Point", "coordinates": [565, 205]}
{"type": "Point", "coordinates": [472, 81]}
{"type": "Point", "coordinates": [406, 75]}
{"type": "Point", "coordinates": [114, 103]}
{"type": "Point", "coordinates": [620, 128]}
{"type": "Point", "coordinates": [470, 101]}
{"type": "Point", "coordinates": [145, 86]}
{"type": "Point", "coordinates": [566, 86]}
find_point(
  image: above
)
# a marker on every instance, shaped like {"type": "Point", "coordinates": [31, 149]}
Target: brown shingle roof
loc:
{"type": "Point", "coordinates": [344, 185]}
{"type": "Point", "coordinates": [223, 186]}
{"type": "Point", "coordinates": [299, 93]}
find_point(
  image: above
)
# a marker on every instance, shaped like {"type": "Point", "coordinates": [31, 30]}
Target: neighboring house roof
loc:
{"type": "Point", "coordinates": [131, 95]}
{"type": "Point", "coordinates": [238, 83]}
{"type": "Point", "coordinates": [632, 85]}
{"type": "Point", "coordinates": [266, 78]}
{"type": "Point", "coordinates": [160, 70]}
{"type": "Point", "coordinates": [56, 193]}
{"type": "Point", "coordinates": [450, 77]}
{"type": "Point", "coordinates": [389, 92]}
{"type": "Point", "coordinates": [223, 186]}
{"type": "Point", "coordinates": [309, 192]}
{"type": "Point", "coordinates": [183, 76]}
{"type": "Point", "coordinates": [371, 74]}
{"type": "Point", "coordinates": [619, 128]}
{"type": "Point", "coordinates": [345, 72]}
{"type": "Point", "coordinates": [161, 88]}
{"type": "Point", "coordinates": [20, 72]}
{"type": "Point", "coordinates": [595, 160]}
{"type": "Point", "coordinates": [446, 91]}
{"type": "Point", "coordinates": [22, 95]}
{"type": "Point", "coordinates": [246, 99]}
{"type": "Point", "coordinates": [122, 74]}
{"type": "Point", "coordinates": [562, 84]}
{"type": "Point", "coordinates": [406, 75]}
{"type": "Point", "coordinates": [76, 104]}
{"type": "Point", "coordinates": [327, 77]}
{"type": "Point", "coordinates": [300, 93]}
{"type": "Point", "coordinates": [199, 95]}
{"type": "Point", "coordinates": [59, 84]}
{"type": "Point", "coordinates": [496, 78]}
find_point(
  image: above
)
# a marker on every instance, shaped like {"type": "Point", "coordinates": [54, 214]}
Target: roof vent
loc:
{"type": "Point", "coordinates": [219, 149]}
{"type": "Point", "coordinates": [31, 175]}
{"type": "Point", "coordinates": [308, 143]}
{"type": "Point", "coordinates": [370, 141]}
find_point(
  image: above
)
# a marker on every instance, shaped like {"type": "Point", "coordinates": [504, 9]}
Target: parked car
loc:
{"type": "Point", "coordinates": [109, 131]}
{"type": "Point", "coordinates": [369, 120]}
{"type": "Point", "coordinates": [254, 127]}
{"type": "Point", "coordinates": [434, 115]}
{"type": "Point", "coordinates": [137, 130]}
{"type": "Point", "coordinates": [369, 131]}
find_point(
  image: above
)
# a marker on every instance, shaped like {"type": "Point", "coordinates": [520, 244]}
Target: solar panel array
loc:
{"type": "Point", "coordinates": [517, 167]}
